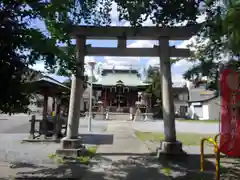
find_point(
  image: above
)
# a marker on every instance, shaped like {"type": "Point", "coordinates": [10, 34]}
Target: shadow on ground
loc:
{"type": "Point", "coordinates": [97, 139]}
{"type": "Point", "coordinates": [3, 119]}
{"type": "Point", "coordinates": [148, 167]}
{"type": "Point", "coordinates": [73, 171]}
{"type": "Point", "coordinates": [63, 171]}
{"type": "Point", "coordinates": [137, 166]}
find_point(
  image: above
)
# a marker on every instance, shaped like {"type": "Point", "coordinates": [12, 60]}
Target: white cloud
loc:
{"type": "Point", "coordinates": [127, 62]}
{"type": "Point", "coordinates": [176, 71]}
{"type": "Point", "coordinates": [181, 66]}
{"type": "Point", "coordinates": [114, 14]}
{"type": "Point", "coordinates": [124, 62]}
{"type": "Point", "coordinates": [118, 61]}
{"type": "Point", "coordinates": [184, 63]}
{"type": "Point", "coordinates": [39, 66]}
{"type": "Point", "coordinates": [178, 80]}
{"type": "Point", "coordinates": [153, 61]}
{"type": "Point", "coordinates": [143, 44]}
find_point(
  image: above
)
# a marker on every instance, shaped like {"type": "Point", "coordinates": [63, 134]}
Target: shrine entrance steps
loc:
{"type": "Point", "coordinates": [120, 116]}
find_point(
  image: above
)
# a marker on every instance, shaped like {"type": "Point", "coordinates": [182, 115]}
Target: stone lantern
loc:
{"type": "Point", "coordinates": [100, 110]}
{"type": "Point", "coordinates": [148, 114]}
{"type": "Point", "coordinates": [138, 115]}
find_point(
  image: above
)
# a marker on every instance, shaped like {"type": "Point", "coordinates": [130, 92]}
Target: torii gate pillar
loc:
{"type": "Point", "coordinates": [71, 144]}
{"type": "Point", "coordinates": [169, 145]}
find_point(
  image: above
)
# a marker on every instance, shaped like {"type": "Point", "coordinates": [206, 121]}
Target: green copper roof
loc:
{"type": "Point", "coordinates": [128, 79]}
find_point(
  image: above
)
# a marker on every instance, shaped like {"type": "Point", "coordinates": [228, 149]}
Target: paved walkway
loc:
{"type": "Point", "coordinates": [114, 159]}
{"type": "Point", "coordinates": [121, 156]}
{"type": "Point", "coordinates": [128, 158]}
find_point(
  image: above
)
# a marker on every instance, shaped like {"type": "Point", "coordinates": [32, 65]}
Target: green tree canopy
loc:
{"type": "Point", "coordinates": [154, 78]}
{"type": "Point", "coordinates": [218, 43]}
{"type": "Point", "coordinates": [22, 44]}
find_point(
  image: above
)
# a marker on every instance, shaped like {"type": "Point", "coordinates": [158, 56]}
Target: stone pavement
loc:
{"type": "Point", "coordinates": [32, 159]}
{"type": "Point", "coordinates": [125, 145]}
{"type": "Point", "coordinates": [127, 158]}
{"type": "Point", "coordinates": [120, 156]}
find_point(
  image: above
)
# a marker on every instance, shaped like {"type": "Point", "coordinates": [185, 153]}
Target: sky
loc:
{"type": "Point", "coordinates": [127, 62]}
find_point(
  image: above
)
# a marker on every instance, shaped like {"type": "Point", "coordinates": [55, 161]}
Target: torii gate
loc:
{"type": "Point", "coordinates": [122, 34]}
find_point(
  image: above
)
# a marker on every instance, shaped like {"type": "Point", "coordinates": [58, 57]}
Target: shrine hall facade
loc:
{"type": "Point", "coordinates": [119, 89]}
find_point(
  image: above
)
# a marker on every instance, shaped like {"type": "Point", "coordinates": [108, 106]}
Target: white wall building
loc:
{"type": "Point", "coordinates": [85, 100]}
{"type": "Point", "coordinates": [180, 100]}
{"type": "Point", "coordinates": [204, 104]}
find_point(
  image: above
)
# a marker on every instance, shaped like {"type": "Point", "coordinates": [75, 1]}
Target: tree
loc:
{"type": "Point", "coordinates": [154, 78]}
{"type": "Point", "coordinates": [218, 43]}
{"type": "Point", "coordinates": [22, 45]}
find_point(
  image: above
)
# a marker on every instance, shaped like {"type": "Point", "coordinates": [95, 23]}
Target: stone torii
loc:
{"type": "Point", "coordinates": [71, 145]}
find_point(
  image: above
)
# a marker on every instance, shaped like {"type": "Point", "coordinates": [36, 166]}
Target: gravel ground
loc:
{"type": "Point", "coordinates": [15, 128]}
{"type": "Point", "coordinates": [32, 159]}
{"type": "Point", "coordinates": [10, 122]}
{"type": "Point", "coordinates": [12, 150]}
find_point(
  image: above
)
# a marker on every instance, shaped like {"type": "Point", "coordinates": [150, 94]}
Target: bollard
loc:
{"type": "Point", "coordinates": [32, 127]}
{"type": "Point", "coordinates": [216, 137]}
{"type": "Point", "coordinates": [217, 156]}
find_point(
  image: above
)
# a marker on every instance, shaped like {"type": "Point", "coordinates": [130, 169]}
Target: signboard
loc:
{"type": "Point", "coordinates": [230, 113]}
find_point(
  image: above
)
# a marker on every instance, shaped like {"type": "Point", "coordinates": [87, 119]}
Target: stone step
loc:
{"type": "Point", "coordinates": [112, 116]}
{"type": "Point", "coordinates": [121, 116]}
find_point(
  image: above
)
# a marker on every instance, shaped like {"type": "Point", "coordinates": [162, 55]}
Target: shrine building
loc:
{"type": "Point", "coordinates": [118, 90]}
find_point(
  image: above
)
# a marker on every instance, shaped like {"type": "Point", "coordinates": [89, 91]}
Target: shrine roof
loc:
{"type": "Point", "coordinates": [131, 79]}
{"type": "Point", "coordinates": [125, 71]}
{"type": "Point", "coordinates": [48, 84]}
